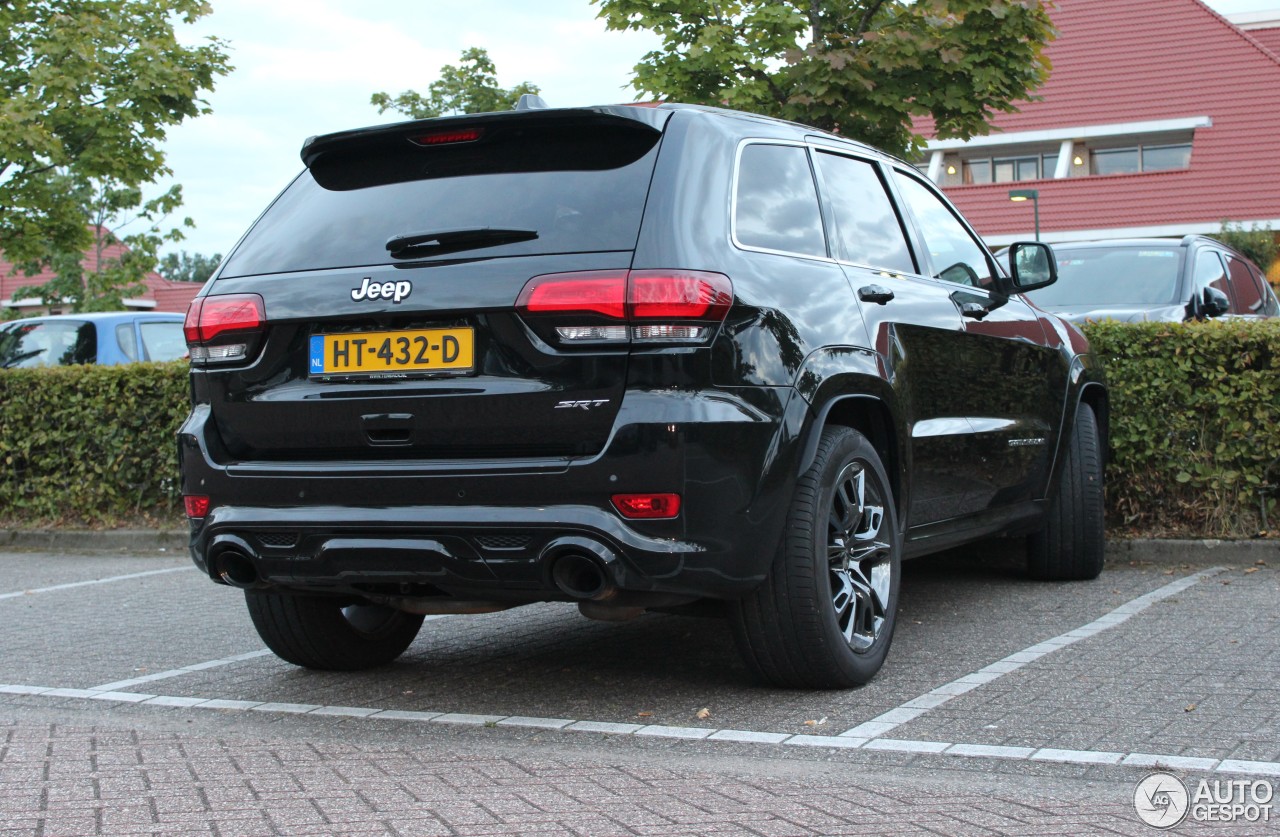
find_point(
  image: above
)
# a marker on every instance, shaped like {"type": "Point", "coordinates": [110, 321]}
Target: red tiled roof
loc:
{"type": "Point", "coordinates": [167, 295]}
{"type": "Point", "coordinates": [1268, 37]}
{"type": "Point", "coordinates": [1144, 60]}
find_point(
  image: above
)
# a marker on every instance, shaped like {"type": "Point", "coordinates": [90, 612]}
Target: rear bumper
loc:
{"type": "Point", "coordinates": [494, 530]}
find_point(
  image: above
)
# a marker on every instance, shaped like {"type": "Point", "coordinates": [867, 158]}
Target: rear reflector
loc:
{"type": "Point", "coordinates": [647, 506]}
{"type": "Point", "coordinates": [197, 505]}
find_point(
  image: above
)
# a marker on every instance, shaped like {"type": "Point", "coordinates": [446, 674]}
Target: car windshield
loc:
{"type": "Point", "coordinates": [47, 344]}
{"type": "Point", "coordinates": [1113, 276]}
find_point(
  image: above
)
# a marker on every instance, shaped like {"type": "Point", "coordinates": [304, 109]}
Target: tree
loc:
{"type": "Point", "coordinates": [861, 68]}
{"type": "Point", "coordinates": [470, 87]}
{"type": "Point", "coordinates": [88, 90]}
{"type": "Point", "coordinates": [101, 277]}
{"type": "Point", "coordinates": [188, 267]}
{"type": "Point", "coordinates": [1256, 242]}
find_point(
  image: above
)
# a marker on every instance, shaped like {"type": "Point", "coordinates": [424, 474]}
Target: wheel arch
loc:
{"type": "Point", "coordinates": [870, 415]}
{"type": "Point", "coordinates": [1094, 395]}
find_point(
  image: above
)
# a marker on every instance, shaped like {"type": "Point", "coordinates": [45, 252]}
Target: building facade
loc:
{"type": "Point", "coordinates": [160, 294]}
{"type": "Point", "coordinates": [1159, 118]}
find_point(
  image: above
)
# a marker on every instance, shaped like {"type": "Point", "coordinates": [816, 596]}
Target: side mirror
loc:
{"type": "Point", "coordinates": [1212, 303]}
{"type": "Point", "coordinates": [1032, 265]}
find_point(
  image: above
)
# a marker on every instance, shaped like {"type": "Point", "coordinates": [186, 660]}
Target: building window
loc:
{"type": "Point", "coordinates": [1009, 169]}
{"type": "Point", "coordinates": [1117, 161]}
{"type": "Point", "coordinates": [1161, 157]}
{"type": "Point", "coordinates": [1141, 158]}
{"type": "Point", "coordinates": [977, 171]}
{"type": "Point", "coordinates": [1017, 168]}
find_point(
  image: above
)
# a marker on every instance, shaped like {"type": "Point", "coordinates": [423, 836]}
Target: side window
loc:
{"type": "Point", "coordinates": [776, 202]}
{"type": "Point", "coordinates": [125, 340]}
{"type": "Point", "coordinates": [1210, 273]}
{"type": "Point", "coordinates": [1270, 305]}
{"type": "Point", "coordinates": [1245, 289]}
{"type": "Point", "coordinates": [956, 255]}
{"type": "Point", "coordinates": [867, 229]}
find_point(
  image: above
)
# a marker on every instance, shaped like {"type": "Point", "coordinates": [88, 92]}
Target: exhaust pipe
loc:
{"type": "Point", "coordinates": [582, 568]}
{"type": "Point", "coordinates": [232, 561]}
{"type": "Point", "coordinates": [236, 568]}
{"type": "Point", "coordinates": [581, 577]}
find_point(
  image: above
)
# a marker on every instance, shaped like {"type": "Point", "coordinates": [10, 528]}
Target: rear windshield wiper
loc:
{"type": "Point", "coordinates": [418, 245]}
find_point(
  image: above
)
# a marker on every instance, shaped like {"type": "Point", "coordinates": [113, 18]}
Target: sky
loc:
{"type": "Point", "coordinates": [307, 67]}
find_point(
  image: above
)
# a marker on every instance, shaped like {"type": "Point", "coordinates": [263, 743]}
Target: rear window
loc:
{"type": "Point", "coordinates": [575, 187]}
{"type": "Point", "coordinates": [62, 343]}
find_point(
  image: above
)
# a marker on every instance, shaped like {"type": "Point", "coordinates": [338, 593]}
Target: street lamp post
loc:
{"type": "Point", "coordinates": [1033, 195]}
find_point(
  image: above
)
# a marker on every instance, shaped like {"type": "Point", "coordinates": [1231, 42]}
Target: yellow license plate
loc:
{"type": "Point", "coordinates": [374, 352]}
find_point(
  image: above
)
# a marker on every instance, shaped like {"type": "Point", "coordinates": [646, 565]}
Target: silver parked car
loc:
{"type": "Point", "coordinates": [1164, 280]}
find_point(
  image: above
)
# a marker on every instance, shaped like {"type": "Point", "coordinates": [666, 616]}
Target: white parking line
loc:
{"type": "Point", "coordinates": [1144, 761]}
{"type": "Point", "coordinates": [867, 736]}
{"type": "Point", "coordinates": [55, 588]}
{"type": "Point", "coordinates": [194, 667]}
{"type": "Point", "coordinates": [914, 708]}
{"type": "Point", "coordinates": [178, 672]}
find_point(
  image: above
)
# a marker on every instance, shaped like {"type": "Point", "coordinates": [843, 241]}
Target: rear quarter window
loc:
{"type": "Point", "coordinates": [163, 340]}
{"type": "Point", "coordinates": [776, 202]}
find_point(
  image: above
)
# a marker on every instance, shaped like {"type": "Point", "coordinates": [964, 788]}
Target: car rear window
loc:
{"type": "Point", "coordinates": [62, 343]}
{"type": "Point", "coordinates": [580, 187]}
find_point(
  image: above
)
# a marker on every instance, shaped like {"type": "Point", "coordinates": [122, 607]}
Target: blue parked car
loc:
{"type": "Point", "coordinates": [102, 338]}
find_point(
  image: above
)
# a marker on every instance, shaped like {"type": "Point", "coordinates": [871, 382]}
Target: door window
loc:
{"type": "Point", "coordinates": [1210, 273]}
{"type": "Point", "coordinates": [956, 255]}
{"type": "Point", "coordinates": [776, 202]}
{"type": "Point", "coordinates": [867, 229]}
{"type": "Point", "coordinates": [1245, 289]}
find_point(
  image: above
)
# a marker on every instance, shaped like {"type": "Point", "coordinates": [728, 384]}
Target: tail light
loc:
{"type": "Point", "coordinates": [222, 329]}
{"type": "Point", "coordinates": [628, 306]}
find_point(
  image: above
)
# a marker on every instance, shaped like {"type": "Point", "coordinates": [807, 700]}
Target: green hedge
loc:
{"type": "Point", "coordinates": [1195, 425]}
{"type": "Point", "coordinates": [91, 445]}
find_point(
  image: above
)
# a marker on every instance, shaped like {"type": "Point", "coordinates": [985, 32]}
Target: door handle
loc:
{"type": "Point", "coordinates": [875, 293]}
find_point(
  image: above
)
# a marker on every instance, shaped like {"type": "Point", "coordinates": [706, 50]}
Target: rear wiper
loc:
{"type": "Point", "coordinates": [418, 245]}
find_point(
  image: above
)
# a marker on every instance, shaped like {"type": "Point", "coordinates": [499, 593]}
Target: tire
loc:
{"type": "Point", "coordinates": [824, 616]}
{"type": "Point", "coordinates": [328, 634]}
{"type": "Point", "coordinates": [1070, 545]}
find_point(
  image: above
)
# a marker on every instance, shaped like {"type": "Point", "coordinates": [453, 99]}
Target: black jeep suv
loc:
{"type": "Point", "coordinates": [637, 358]}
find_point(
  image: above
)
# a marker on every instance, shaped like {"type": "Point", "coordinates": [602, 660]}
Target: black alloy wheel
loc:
{"type": "Point", "coordinates": [824, 616]}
